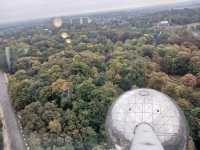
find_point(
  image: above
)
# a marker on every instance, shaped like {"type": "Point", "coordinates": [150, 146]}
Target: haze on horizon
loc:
{"type": "Point", "coordinates": [18, 10]}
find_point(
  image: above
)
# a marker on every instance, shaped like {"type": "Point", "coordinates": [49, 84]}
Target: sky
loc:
{"type": "Point", "coordinates": [18, 10]}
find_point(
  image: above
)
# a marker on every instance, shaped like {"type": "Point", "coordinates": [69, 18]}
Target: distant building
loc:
{"type": "Point", "coordinates": [164, 23]}
{"type": "Point", "coordinates": [75, 21]}
{"type": "Point", "coordinates": [84, 20]}
{"type": "Point", "coordinates": [81, 21]}
{"type": "Point", "coordinates": [46, 29]}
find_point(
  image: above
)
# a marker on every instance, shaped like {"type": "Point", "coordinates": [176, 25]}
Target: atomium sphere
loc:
{"type": "Point", "coordinates": [64, 35]}
{"type": "Point", "coordinates": [57, 22]}
{"type": "Point", "coordinates": [68, 41]}
{"type": "Point", "coordinates": [151, 107]}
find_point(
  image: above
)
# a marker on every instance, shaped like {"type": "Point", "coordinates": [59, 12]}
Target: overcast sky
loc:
{"type": "Point", "coordinates": [15, 10]}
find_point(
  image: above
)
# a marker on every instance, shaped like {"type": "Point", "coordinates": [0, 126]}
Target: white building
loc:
{"type": "Point", "coordinates": [164, 23]}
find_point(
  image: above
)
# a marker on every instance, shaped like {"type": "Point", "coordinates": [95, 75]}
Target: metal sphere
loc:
{"type": "Point", "coordinates": [57, 22]}
{"type": "Point", "coordinates": [146, 106]}
{"type": "Point", "coordinates": [64, 35]}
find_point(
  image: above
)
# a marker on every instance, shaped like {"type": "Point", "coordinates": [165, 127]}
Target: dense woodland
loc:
{"type": "Point", "coordinates": [62, 91]}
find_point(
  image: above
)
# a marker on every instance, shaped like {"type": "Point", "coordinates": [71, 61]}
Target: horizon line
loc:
{"type": "Point", "coordinates": [88, 13]}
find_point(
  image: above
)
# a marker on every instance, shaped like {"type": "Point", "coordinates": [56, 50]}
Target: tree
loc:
{"type": "Point", "coordinates": [132, 75]}
{"type": "Point", "coordinates": [31, 119]}
{"type": "Point", "coordinates": [175, 66]}
{"type": "Point", "coordinates": [89, 137]}
{"type": "Point", "coordinates": [54, 126]}
{"type": "Point", "coordinates": [51, 112]}
{"type": "Point", "coordinates": [148, 51]}
{"type": "Point", "coordinates": [157, 80]}
{"type": "Point", "coordinates": [189, 80]}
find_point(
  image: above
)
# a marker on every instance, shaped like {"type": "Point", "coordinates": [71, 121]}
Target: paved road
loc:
{"type": "Point", "coordinates": [12, 138]}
